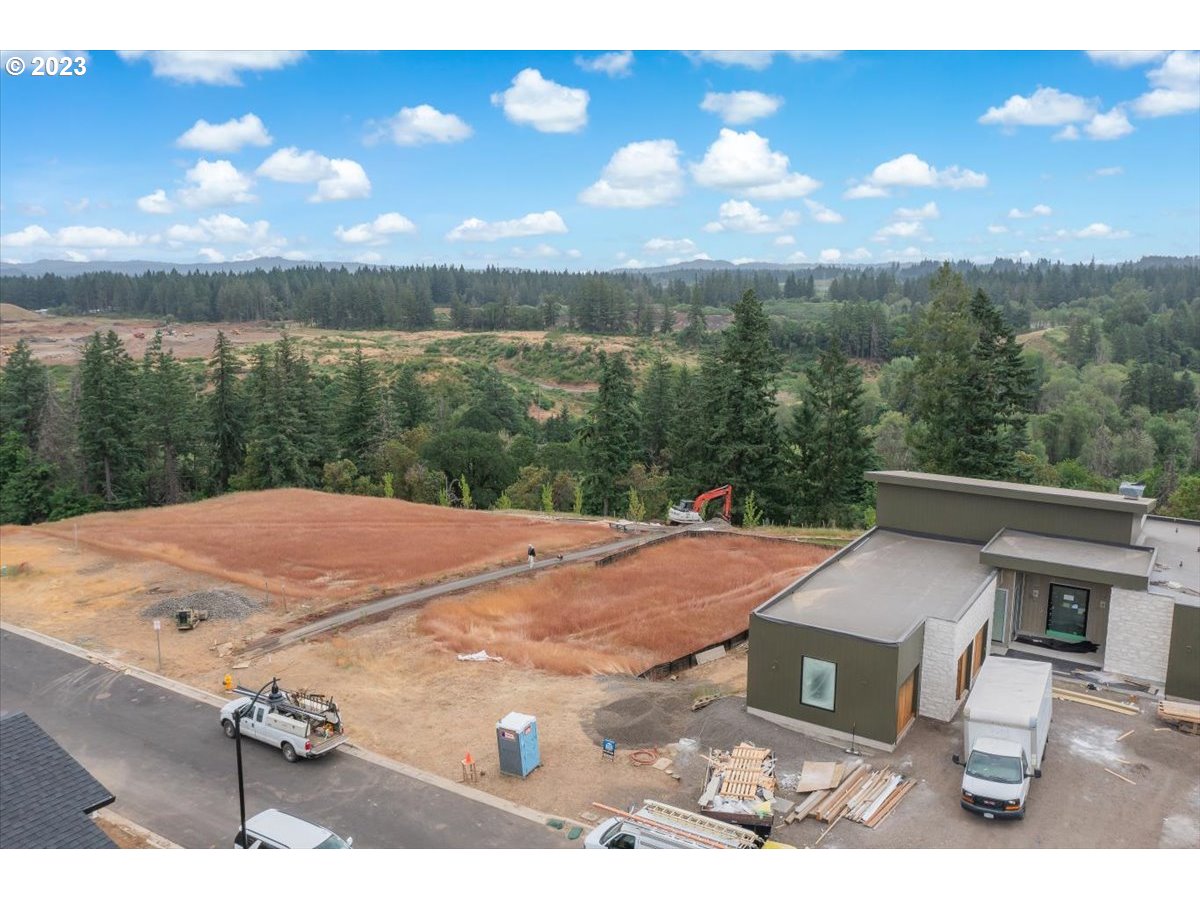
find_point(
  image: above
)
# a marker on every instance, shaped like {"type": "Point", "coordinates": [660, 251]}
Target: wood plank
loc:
{"type": "Point", "coordinates": [1101, 704]}
{"type": "Point", "coordinates": [893, 803]}
{"type": "Point", "coordinates": [1118, 775]}
{"type": "Point", "coordinates": [1126, 734]}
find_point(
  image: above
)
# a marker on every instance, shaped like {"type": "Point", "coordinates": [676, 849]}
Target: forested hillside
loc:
{"type": "Point", "coordinates": [792, 384]}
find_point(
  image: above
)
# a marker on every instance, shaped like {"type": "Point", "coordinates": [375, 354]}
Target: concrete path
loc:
{"type": "Point", "coordinates": [272, 643]}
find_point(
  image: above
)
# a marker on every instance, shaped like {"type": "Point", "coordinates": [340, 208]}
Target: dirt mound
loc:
{"type": "Point", "coordinates": [220, 605]}
{"type": "Point", "coordinates": [11, 313]}
{"type": "Point", "coordinates": [641, 720]}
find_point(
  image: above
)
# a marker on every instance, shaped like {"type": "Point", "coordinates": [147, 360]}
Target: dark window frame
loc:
{"type": "Point", "coordinates": [833, 703]}
{"type": "Point", "coordinates": [1087, 613]}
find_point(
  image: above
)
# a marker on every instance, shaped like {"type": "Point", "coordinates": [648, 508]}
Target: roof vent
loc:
{"type": "Point", "coordinates": [1131, 490]}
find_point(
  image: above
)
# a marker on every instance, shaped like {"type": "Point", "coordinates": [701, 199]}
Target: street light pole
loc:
{"type": "Point", "coordinates": [237, 733]}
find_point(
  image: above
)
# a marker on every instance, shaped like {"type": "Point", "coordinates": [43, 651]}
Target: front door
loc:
{"type": "Point", "coordinates": [1067, 616]}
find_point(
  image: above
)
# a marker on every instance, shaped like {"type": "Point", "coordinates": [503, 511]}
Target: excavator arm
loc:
{"type": "Point", "coordinates": [725, 491]}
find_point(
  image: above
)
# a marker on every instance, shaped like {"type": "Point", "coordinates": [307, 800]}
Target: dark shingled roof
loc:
{"type": "Point", "coordinates": [45, 795]}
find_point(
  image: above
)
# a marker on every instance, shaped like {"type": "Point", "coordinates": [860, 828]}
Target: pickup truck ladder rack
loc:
{"type": "Point", "coordinates": [299, 703]}
{"type": "Point", "coordinates": [718, 835]}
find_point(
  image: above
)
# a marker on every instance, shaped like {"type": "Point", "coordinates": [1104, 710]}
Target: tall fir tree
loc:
{"type": "Point", "coordinates": [108, 420]}
{"type": "Point", "coordinates": [168, 426]}
{"type": "Point", "coordinates": [831, 447]}
{"type": "Point", "coordinates": [358, 408]}
{"type": "Point", "coordinates": [610, 435]}
{"type": "Point", "coordinates": [226, 412]}
{"type": "Point", "coordinates": [24, 390]}
{"type": "Point", "coordinates": [655, 409]}
{"type": "Point", "coordinates": [410, 405]}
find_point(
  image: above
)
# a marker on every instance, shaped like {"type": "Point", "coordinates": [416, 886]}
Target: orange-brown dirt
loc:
{"type": "Point", "coordinates": [662, 603]}
{"type": "Point", "coordinates": [402, 694]}
{"type": "Point", "coordinates": [325, 547]}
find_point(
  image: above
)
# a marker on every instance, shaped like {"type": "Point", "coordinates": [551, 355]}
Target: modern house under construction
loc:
{"type": "Point", "coordinates": [898, 623]}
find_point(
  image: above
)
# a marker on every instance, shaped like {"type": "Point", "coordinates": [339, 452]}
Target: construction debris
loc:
{"type": "Point", "coordinates": [1122, 777]}
{"type": "Point", "coordinates": [481, 656]}
{"type": "Point", "coordinates": [1185, 716]}
{"type": "Point", "coordinates": [859, 794]}
{"type": "Point", "coordinates": [701, 702]}
{"type": "Point", "coordinates": [1126, 734]}
{"type": "Point", "coordinates": [740, 781]}
{"type": "Point", "coordinates": [819, 776]}
{"type": "Point", "coordinates": [1127, 709]}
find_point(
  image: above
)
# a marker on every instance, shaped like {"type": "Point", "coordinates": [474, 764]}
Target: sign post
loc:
{"type": "Point", "coordinates": [158, 640]}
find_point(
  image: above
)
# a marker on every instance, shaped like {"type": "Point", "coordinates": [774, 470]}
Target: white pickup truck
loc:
{"type": "Point", "coordinates": [300, 724]}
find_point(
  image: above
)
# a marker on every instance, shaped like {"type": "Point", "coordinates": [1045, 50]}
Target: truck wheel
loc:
{"type": "Point", "coordinates": [230, 731]}
{"type": "Point", "coordinates": [289, 753]}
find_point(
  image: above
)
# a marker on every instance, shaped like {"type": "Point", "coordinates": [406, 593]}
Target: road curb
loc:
{"type": "Point", "coordinates": [152, 838]}
{"type": "Point", "coordinates": [370, 756]}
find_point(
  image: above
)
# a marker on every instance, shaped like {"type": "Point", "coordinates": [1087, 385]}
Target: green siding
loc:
{"type": "Point", "coordinates": [1183, 664]}
{"type": "Point", "coordinates": [868, 676]}
{"type": "Point", "coordinates": [976, 517]}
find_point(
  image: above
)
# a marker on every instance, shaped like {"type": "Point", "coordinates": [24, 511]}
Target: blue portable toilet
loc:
{"type": "Point", "coordinates": [517, 740]}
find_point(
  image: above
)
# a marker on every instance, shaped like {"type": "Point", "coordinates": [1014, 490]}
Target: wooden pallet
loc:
{"type": "Point", "coordinates": [1185, 715]}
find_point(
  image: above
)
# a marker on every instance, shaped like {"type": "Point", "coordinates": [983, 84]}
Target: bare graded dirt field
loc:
{"type": "Point", "coordinates": [325, 547]}
{"type": "Point", "coordinates": [664, 602]}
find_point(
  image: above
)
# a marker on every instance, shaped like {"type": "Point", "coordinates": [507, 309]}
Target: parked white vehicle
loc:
{"type": "Point", "coordinates": [657, 826]}
{"type": "Point", "coordinates": [275, 830]}
{"type": "Point", "coordinates": [1006, 723]}
{"type": "Point", "coordinates": [299, 724]}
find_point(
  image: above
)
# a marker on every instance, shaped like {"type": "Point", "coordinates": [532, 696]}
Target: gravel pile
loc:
{"type": "Point", "coordinates": [220, 605]}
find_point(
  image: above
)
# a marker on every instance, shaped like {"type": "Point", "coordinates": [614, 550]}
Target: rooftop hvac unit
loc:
{"type": "Point", "coordinates": [1131, 490]}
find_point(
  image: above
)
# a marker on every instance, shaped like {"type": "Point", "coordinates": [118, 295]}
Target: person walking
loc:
{"type": "Point", "coordinates": [532, 555]}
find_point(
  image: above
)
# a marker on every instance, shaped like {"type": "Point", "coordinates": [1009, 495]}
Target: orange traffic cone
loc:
{"type": "Point", "coordinates": [470, 774]}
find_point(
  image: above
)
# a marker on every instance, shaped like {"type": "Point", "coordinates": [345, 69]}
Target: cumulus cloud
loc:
{"type": "Point", "coordinates": [1097, 230]}
{"type": "Point", "coordinates": [905, 228]}
{"type": "Point", "coordinates": [423, 124]}
{"type": "Point", "coordinates": [1176, 86]}
{"type": "Point", "coordinates": [740, 107]}
{"type": "Point", "coordinates": [336, 179]}
{"type": "Point", "coordinates": [741, 215]}
{"type": "Point", "coordinates": [1108, 126]}
{"type": "Point", "coordinates": [641, 174]}
{"type": "Point", "coordinates": [89, 237]}
{"type": "Point", "coordinates": [376, 231]}
{"type": "Point", "coordinates": [743, 162]}
{"type": "Point", "coordinates": [756, 59]}
{"type": "Point", "coordinates": [543, 104]}
{"type": "Point", "coordinates": [1040, 209]}
{"type": "Point", "coordinates": [784, 240]}
{"type": "Point", "coordinates": [220, 229]}
{"type": "Point", "coordinates": [1045, 106]}
{"type": "Point", "coordinates": [1069, 133]}
{"type": "Point", "coordinates": [221, 67]}
{"type": "Point", "coordinates": [798, 256]}
{"type": "Point", "coordinates": [228, 137]}
{"type": "Point", "coordinates": [216, 183]}
{"type": "Point", "coordinates": [928, 211]}
{"type": "Point", "coordinates": [830, 255]}
{"type": "Point", "coordinates": [909, 170]}
{"type": "Point", "coordinates": [1125, 59]}
{"type": "Point", "coordinates": [156, 203]}
{"type": "Point", "coordinates": [615, 65]}
{"type": "Point", "coordinates": [997, 229]}
{"type": "Point", "coordinates": [669, 245]}
{"type": "Point", "coordinates": [548, 222]}
{"type": "Point", "coordinates": [823, 214]}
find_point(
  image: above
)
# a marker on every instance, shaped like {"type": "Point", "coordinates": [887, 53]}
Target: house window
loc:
{"type": "Point", "coordinates": [817, 681]}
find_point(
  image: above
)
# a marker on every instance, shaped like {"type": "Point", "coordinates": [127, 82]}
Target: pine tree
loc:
{"type": "Point", "coordinates": [358, 408]}
{"type": "Point", "coordinates": [687, 434]}
{"type": "Point", "coordinates": [108, 420]}
{"type": "Point", "coordinates": [24, 389]}
{"type": "Point", "coordinates": [168, 425]}
{"type": "Point", "coordinates": [410, 406]}
{"type": "Point", "coordinates": [655, 407]}
{"type": "Point", "coordinates": [226, 411]}
{"type": "Point", "coordinates": [693, 333]}
{"type": "Point", "coordinates": [831, 448]}
{"type": "Point", "coordinates": [25, 482]}
{"type": "Point", "coordinates": [609, 437]}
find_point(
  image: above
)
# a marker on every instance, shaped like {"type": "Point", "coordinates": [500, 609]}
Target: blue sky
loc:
{"type": "Point", "coordinates": [589, 160]}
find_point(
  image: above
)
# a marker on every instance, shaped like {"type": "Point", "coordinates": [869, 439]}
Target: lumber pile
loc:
{"type": "Point", "coordinates": [1184, 715]}
{"type": "Point", "coordinates": [864, 795]}
{"type": "Point", "coordinates": [1119, 706]}
{"type": "Point", "coordinates": [741, 779]}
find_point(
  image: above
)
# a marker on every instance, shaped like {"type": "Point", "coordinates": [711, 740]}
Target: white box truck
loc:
{"type": "Point", "coordinates": [1005, 725]}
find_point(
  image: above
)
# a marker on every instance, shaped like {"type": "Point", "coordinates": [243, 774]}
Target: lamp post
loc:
{"type": "Point", "coordinates": [237, 733]}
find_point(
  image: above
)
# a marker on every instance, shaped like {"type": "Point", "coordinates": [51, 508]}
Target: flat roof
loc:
{"type": "Point", "coordinates": [1127, 567]}
{"type": "Point", "coordinates": [1033, 492]}
{"type": "Point", "coordinates": [1178, 560]}
{"type": "Point", "coordinates": [883, 586]}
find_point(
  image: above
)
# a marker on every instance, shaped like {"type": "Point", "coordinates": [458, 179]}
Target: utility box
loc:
{"type": "Point", "coordinates": [517, 741]}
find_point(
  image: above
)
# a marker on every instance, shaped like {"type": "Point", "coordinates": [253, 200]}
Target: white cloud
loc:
{"type": "Point", "coordinates": [831, 255]}
{"type": "Point", "coordinates": [1109, 126]}
{"type": "Point", "coordinates": [669, 245]}
{"type": "Point", "coordinates": [156, 203]}
{"type": "Point", "coordinates": [823, 214]}
{"type": "Point", "coordinates": [997, 229]}
{"type": "Point", "coordinates": [1069, 133]}
{"type": "Point", "coordinates": [548, 222]}
{"type": "Point", "coordinates": [1098, 230]}
{"type": "Point", "coordinates": [928, 211]}
{"type": "Point", "coordinates": [1040, 209]}
{"type": "Point", "coordinates": [740, 107]}
{"type": "Point", "coordinates": [784, 240]}
{"type": "Point", "coordinates": [32, 209]}
{"type": "Point", "coordinates": [222, 67]}
{"type": "Point", "coordinates": [228, 137]}
{"type": "Point", "coordinates": [1125, 59]}
{"type": "Point", "coordinates": [633, 264]}
{"type": "Point", "coordinates": [756, 59]}
{"type": "Point", "coordinates": [744, 162]}
{"type": "Point", "coordinates": [641, 174]}
{"type": "Point", "coordinates": [909, 170]}
{"type": "Point", "coordinates": [220, 229]}
{"type": "Point", "coordinates": [377, 231]}
{"type": "Point", "coordinates": [907, 228]}
{"type": "Point", "coordinates": [543, 104]}
{"type": "Point", "coordinates": [798, 256]}
{"type": "Point", "coordinates": [90, 237]}
{"type": "Point", "coordinates": [215, 184]}
{"type": "Point", "coordinates": [337, 179]}
{"type": "Point", "coordinates": [574, 254]}
{"type": "Point", "coordinates": [423, 124]}
{"type": "Point", "coordinates": [1045, 106]}
{"type": "Point", "coordinates": [1109, 171]}
{"type": "Point", "coordinates": [78, 206]}
{"type": "Point", "coordinates": [615, 65]}
{"type": "Point", "coordinates": [741, 215]}
{"type": "Point", "coordinates": [541, 251]}
{"type": "Point", "coordinates": [1176, 86]}
{"type": "Point", "coordinates": [211, 255]}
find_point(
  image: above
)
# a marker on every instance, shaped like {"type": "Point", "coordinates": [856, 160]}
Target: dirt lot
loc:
{"type": "Point", "coordinates": [325, 547]}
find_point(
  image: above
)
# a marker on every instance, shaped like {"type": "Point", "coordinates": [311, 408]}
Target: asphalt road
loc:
{"type": "Point", "coordinates": [174, 772]}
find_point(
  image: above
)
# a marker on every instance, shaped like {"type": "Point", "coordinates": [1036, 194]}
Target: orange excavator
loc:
{"type": "Point", "coordinates": [691, 512]}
